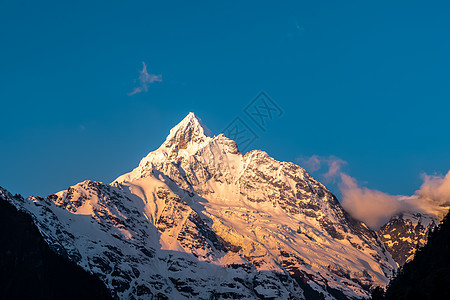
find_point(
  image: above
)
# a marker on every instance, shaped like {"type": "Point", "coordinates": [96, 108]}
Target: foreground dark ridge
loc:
{"type": "Point", "coordinates": [30, 270]}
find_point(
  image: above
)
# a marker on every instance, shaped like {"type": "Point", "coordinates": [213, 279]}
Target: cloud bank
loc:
{"type": "Point", "coordinates": [145, 79]}
{"type": "Point", "coordinates": [374, 207]}
{"type": "Point", "coordinates": [433, 197]}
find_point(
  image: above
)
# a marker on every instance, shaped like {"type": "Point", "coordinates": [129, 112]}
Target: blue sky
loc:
{"type": "Point", "coordinates": [365, 81]}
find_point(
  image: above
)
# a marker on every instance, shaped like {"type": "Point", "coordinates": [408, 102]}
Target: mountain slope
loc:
{"type": "Point", "coordinates": [30, 270]}
{"type": "Point", "coordinates": [405, 232]}
{"type": "Point", "coordinates": [427, 276]}
{"type": "Point", "coordinates": [197, 218]}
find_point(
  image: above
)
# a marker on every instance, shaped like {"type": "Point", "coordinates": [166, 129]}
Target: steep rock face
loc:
{"type": "Point", "coordinates": [199, 219]}
{"type": "Point", "coordinates": [405, 232]}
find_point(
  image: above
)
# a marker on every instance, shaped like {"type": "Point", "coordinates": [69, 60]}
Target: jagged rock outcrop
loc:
{"type": "Point", "coordinates": [406, 232]}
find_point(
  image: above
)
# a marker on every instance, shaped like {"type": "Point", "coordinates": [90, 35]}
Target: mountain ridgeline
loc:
{"type": "Point", "coordinates": [199, 219]}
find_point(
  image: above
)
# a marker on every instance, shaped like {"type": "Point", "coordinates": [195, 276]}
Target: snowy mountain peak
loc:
{"type": "Point", "coordinates": [183, 141]}
{"type": "Point", "coordinates": [189, 130]}
{"type": "Point", "coordinates": [199, 219]}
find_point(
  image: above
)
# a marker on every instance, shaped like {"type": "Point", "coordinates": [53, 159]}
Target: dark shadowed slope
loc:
{"type": "Point", "coordinates": [30, 270]}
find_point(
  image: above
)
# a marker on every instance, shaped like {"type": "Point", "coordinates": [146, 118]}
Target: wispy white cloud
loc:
{"type": "Point", "coordinates": [311, 163]}
{"type": "Point", "coordinates": [315, 163]}
{"type": "Point", "coordinates": [144, 80]}
{"type": "Point", "coordinates": [334, 167]}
